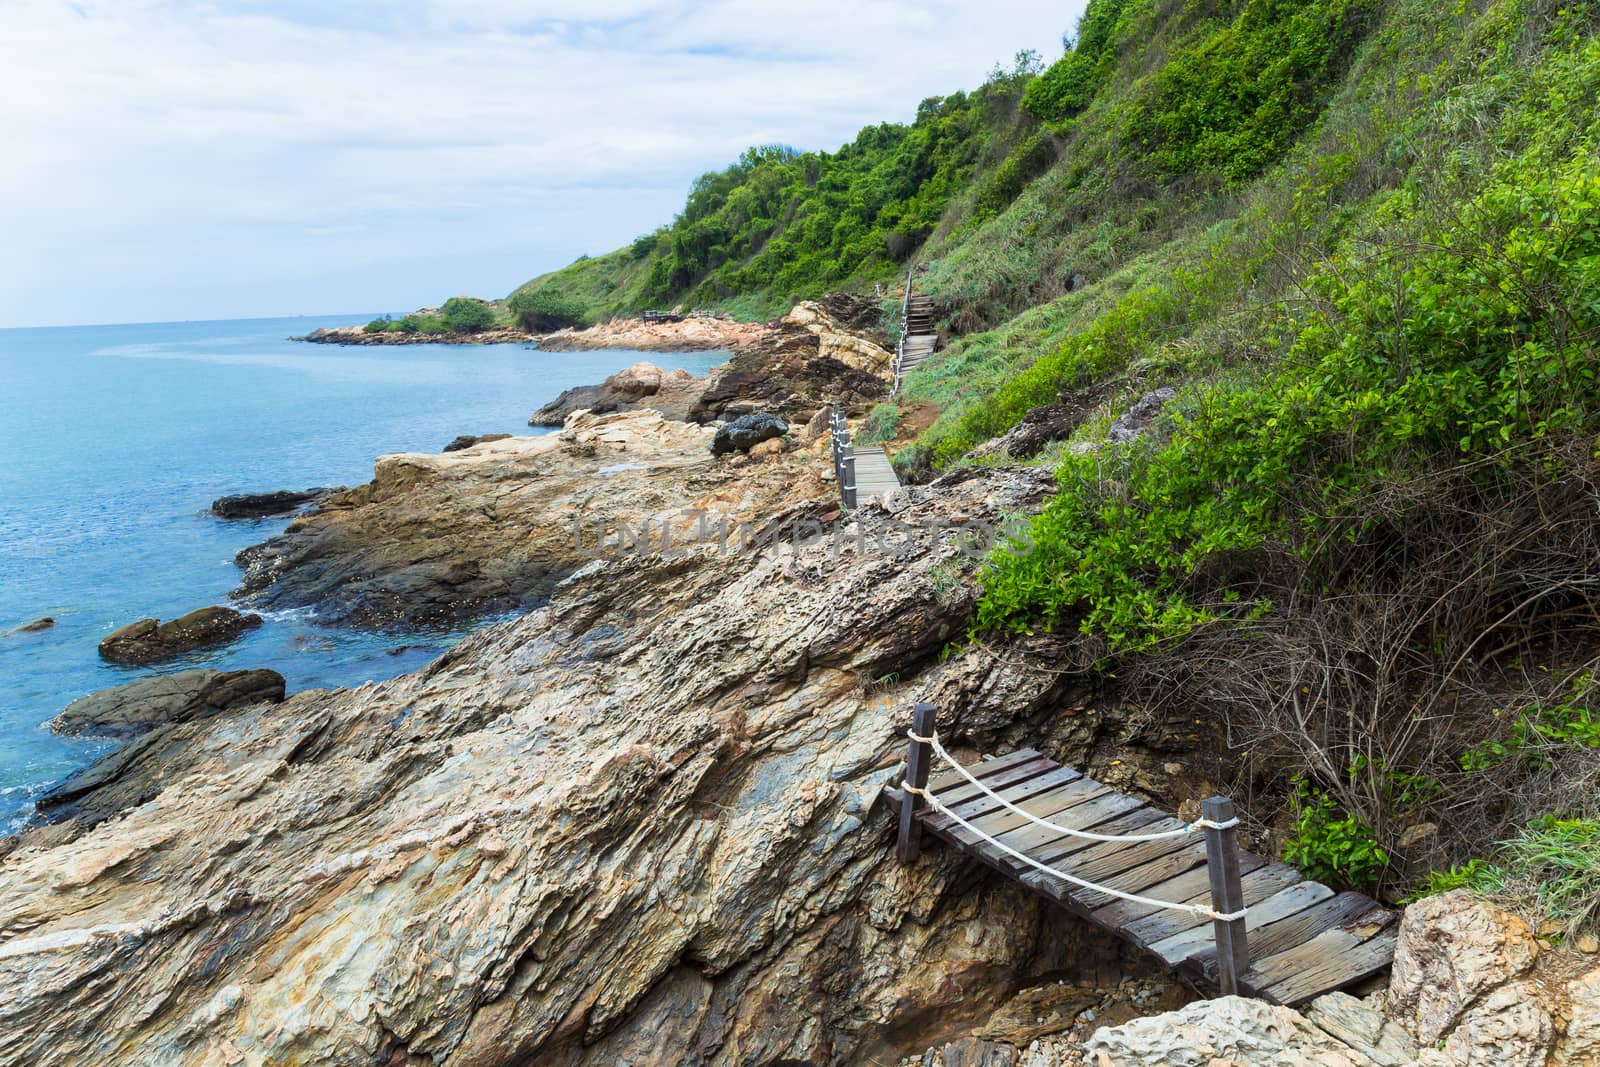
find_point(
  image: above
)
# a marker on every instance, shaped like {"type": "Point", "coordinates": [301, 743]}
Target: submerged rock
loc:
{"type": "Point", "coordinates": [128, 710]}
{"type": "Point", "coordinates": [264, 505]}
{"type": "Point", "coordinates": [149, 640]}
{"type": "Point", "coordinates": [747, 431]}
{"type": "Point", "coordinates": [35, 626]}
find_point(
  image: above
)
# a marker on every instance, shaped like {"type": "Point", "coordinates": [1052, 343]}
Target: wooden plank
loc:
{"type": "Point", "coordinates": [1280, 933]}
{"type": "Point", "coordinates": [1334, 973]}
{"type": "Point", "coordinates": [1281, 905]}
{"type": "Point", "coordinates": [1027, 790]}
{"type": "Point", "coordinates": [1329, 961]}
{"type": "Point", "coordinates": [1258, 885]}
{"type": "Point", "coordinates": [982, 769]}
{"type": "Point", "coordinates": [1053, 805]}
{"type": "Point", "coordinates": [1046, 805]}
{"type": "Point", "coordinates": [963, 797]}
{"type": "Point", "coordinates": [1082, 817]}
{"type": "Point", "coordinates": [1143, 821]}
{"type": "Point", "coordinates": [1142, 878]}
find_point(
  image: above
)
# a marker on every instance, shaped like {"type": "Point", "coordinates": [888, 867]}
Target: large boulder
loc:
{"type": "Point", "coordinates": [1453, 948]}
{"type": "Point", "coordinates": [149, 640]}
{"type": "Point", "coordinates": [462, 442]}
{"type": "Point", "coordinates": [128, 710]}
{"type": "Point", "coordinates": [747, 431]}
{"type": "Point", "coordinates": [620, 392]}
{"type": "Point", "coordinates": [36, 626]}
{"type": "Point", "coordinates": [1229, 1031]}
{"type": "Point", "coordinates": [265, 505]}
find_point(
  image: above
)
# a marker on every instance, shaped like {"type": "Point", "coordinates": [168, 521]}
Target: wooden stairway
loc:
{"type": "Point", "coordinates": [918, 337]}
{"type": "Point", "coordinates": [1300, 938]}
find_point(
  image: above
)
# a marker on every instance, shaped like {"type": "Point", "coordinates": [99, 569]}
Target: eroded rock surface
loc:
{"type": "Point", "coordinates": [149, 640]}
{"type": "Point", "coordinates": [636, 825]}
{"type": "Point", "coordinates": [746, 432]}
{"type": "Point", "coordinates": [1230, 1031]}
{"type": "Point", "coordinates": [264, 505]}
{"type": "Point", "coordinates": [672, 393]}
{"type": "Point", "coordinates": [127, 710]}
{"type": "Point", "coordinates": [438, 537]}
{"type": "Point", "coordinates": [809, 359]}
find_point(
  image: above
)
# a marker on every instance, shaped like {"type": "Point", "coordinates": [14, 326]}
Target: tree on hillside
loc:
{"type": "Point", "coordinates": [543, 310]}
{"type": "Point", "coordinates": [463, 314]}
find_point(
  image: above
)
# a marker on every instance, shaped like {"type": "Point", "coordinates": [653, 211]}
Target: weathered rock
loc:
{"type": "Point", "coordinates": [1452, 949]}
{"type": "Point", "coordinates": [641, 385]}
{"type": "Point", "coordinates": [635, 825]}
{"type": "Point", "coordinates": [1227, 1032]}
{"type": "Point", "coordinates": [356, 335]}
{"type": "Point", "coordinates": [465, 441]}
{"type": "Point", "coordinates": [1510, 1027]}
{"type": "Point", "coordinates": [149, 640]}
{"type": "Point", "coordinates": [1045, 424]}
{"type": "Point", "coordinates": [807, 360]}
{"type": "Point", "coordinates": [127, 710]}
{"type": "Point", "coordinates": [439, 537]}
{"type": "Point", "coordinates": [263, 505]}
{"type": "Point", "coordinates": [1141, 416]}
{"type": "Point", "coordinates": [1581, 1044]}
{"type": "Point", "coordinates": [1364, 1029]}
{"type": "Point", "coordinates": [747, 431]}
{"type": "Point", "coordinates": [36, 626]}
{"type": "Point", "coordinates": [693, 333]}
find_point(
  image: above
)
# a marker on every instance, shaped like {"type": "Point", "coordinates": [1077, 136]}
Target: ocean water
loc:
{"type": "Point", "coordinates": [115, 439]}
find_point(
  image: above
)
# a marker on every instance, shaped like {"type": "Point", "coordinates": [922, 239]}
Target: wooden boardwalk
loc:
{"type": "Point", "coordinates": [862, 473]}
{"type": "Point", "coordinates": [1303, 938]}
{"type": "Point", "coordinates": [918, 336]}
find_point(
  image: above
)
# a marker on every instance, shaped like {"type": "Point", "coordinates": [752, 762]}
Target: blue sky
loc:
{"type": "Point", "coordinates": [174, 159]}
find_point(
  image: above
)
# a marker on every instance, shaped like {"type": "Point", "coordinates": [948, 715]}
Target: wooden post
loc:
{"type": "Point", "coordinates": [918, 757]}
{"type": "Point", "coordinates": [1227, 895]}
{"type": "Point", "coordinates": [847, 485]}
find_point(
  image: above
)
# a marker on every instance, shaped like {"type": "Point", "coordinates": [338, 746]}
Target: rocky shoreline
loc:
{"type": "Point", "coordinates": [693, 333]}
{"type": "Point", "coordinates": [638, 823]}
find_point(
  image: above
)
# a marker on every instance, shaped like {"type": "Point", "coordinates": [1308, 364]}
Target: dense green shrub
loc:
{"type": "Point", "coordinates": [1331, 846]}
{"type": "Point", "coordinates": [1478, 340]}
{"type": "Point", "coordinates": [377, 325]}
{"type": "Point", "coordinates": [543, 310]}
{"type": "Point", "coordinates": [1549, 871]}
{"type": "Point", "coordinates": [1070, 83]}
{"type": "Point", "coordinates": [1232, 100]}
{"type": "Point", "coordinates": [463, 314]}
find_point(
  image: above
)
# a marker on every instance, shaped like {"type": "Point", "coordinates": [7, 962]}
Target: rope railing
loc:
{"type": "Point", "coordinates": [905, 324]}
{"type": "Point", "coordinates": [1226, 911]}
{"type": "Point", "coordinates": [844, 458]}
{"type": "Point", "coordinates": [1200, 910]}
{"type": "Point", "coordinates": [1186, 830]}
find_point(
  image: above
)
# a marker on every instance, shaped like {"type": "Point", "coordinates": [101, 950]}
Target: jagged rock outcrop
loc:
{"type": "Point", "coordinates": [806, 361]}
{"type": "Point", "coordinates": [265, 505]}
{"type": "Point", "coordinates": [1229, 1030]}
{"type": "Point", "coordinates": [438, 537]}
{"type": "Point", "coordinates": [636, 825]}
{"type": "Point", "coordinates": [149, 640]}
{"type": "Point", "coordinates": [645, 385]}
{"type": "Point", "coordinates": [692, 333]}
{"type": "Point", "coordinates": [128, 710]}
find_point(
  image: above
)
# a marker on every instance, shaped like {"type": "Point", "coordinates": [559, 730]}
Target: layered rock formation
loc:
{"type": "Point", "coordinates": [434, 538]}
{"type": "Point", "coordinates": [355, 335]}
{"type": "Point", "coordinates": [692, 333]}
{"type": "Point", "coordinates": [263, 505]}
{"type": "Point", "coordinates": [807, 361]}
{"type": "Point", "coordinates": [149, 640]}
{"type": "Point", "coordinates": [636, 825]}
{"type": "Point", "coordinates": [129, 710]}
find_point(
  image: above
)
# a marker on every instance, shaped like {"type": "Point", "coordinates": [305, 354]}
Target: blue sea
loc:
{"type": "Point", "coordinates": [114, 440]}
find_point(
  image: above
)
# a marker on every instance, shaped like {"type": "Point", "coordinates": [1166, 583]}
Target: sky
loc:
{"type": "Point", "coordinates": [179, 159]}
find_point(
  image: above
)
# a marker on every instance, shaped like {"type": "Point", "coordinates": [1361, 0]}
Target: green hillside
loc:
{"type": "Point", "coordinates": [1361, 240]}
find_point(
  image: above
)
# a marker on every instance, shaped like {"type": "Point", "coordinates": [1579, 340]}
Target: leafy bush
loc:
{"type": "Point", "coordinates": [544, 310]}
{"type": "Point", "coordinates": [1541, 728]}
{"type": "Point", "coordinates": [409, 324]}
{"type": "Point", "coordinates": [1329, 846]}
{"type": "Point", "coordinates": [463, 314]}
{"type": "Point", "coordinates": [377, 325]}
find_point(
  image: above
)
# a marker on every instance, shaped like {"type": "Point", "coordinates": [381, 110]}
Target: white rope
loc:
{"type": "Point", "coordinates": [1200, 910]}
{"type": "Point", "coordinates": [1163, 835]}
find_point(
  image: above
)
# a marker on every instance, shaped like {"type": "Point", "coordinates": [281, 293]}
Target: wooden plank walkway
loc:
{"type": "Point", "coordinates": [918, 335]}
{"type": "Point", "coordinates": [1303, 938]}
{"type": "Point", "coordinates": [874, 474]}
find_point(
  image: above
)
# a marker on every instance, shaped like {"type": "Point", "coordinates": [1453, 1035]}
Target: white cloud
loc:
{"type": "Point", "coordinates": [179, 158]}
